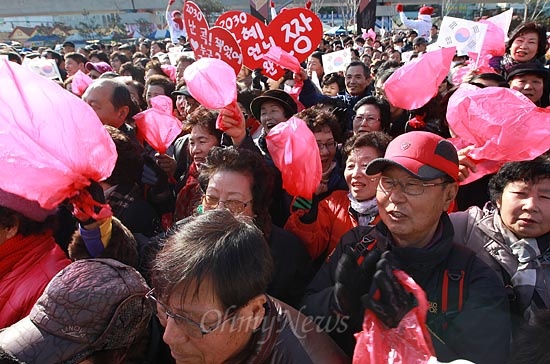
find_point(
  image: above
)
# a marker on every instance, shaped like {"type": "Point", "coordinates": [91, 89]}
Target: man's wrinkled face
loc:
{"type": "Point", "coordinates": [356, 81]}
{"type": "Point", "coordinates": [530, 85]}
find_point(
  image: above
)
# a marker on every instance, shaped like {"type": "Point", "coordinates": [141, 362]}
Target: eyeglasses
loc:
{"type": "Point", "coordinates": [409, 186]}
{"type": "Point", "coordinates": [328, 145]}
{"type": "Point", "coordinates": [235, 206]}
{"type": "Point", "coordinates": [192, 328]}
{"type": "Point", "coordinates": [369, 119]}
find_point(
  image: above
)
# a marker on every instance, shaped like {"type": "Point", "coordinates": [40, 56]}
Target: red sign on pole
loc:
{"type": "Point", "coordinates": [297, 31]}
{"type": "Point", "coordinates": [215, 42]}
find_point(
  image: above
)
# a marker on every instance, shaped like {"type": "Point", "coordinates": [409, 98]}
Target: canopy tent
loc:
{"type": "Point", "coordinates": [337, 31]}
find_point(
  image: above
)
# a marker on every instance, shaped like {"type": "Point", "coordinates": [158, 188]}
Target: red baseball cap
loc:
{"type": "Point", "coordinates": [423, 154]}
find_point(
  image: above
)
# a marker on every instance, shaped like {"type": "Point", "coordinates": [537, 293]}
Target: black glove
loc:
{"type": "Point", "coordinates": [353, 281]}
{"type": "Point", "coordinates": [394, 302]}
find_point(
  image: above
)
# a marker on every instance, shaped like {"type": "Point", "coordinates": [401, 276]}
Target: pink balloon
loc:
{"type": "Point", "coordinates": [211, 82]}
{"type": "Point", "coordinates": [295, 153]}
{"type": "Point", "coordinates": [414, 84]}
{"type": "Point", "coordinates": [501, 124]}
{"type": "Point", "coordinates": [53, 143]}
{"type": "Point", "coordinates": [157, 125]}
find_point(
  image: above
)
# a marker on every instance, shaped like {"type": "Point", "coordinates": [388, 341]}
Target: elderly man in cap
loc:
{"type": "Point", "coordinates": [468, 307]}
{"type": "Point", "coordinates": [532, 80]}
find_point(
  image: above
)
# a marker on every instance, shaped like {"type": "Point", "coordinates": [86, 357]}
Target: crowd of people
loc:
{"type": "Point", "coordinates": [208, 259]}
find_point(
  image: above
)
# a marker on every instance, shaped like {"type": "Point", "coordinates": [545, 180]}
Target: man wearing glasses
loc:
{"type": "Point", "coordinates": [209, 295]}
{"type": "Point", "coordinates": [417, 185]}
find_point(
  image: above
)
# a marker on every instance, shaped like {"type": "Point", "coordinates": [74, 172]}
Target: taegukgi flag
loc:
{"type": "Point", "coordinates": [467, 36]}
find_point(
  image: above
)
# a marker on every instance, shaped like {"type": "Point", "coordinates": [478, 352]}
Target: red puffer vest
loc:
{"type": "Point", "coordinates": [27, 263]}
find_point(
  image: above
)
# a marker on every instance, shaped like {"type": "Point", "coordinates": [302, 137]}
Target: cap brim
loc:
{"type": "Point", "coordinates": [180, 92]}
{"type": "Point", "coordinates": [541, 72]}
{"type": "Point", "coordinates": [29, 344]}
{"type": "Point", "coordinates": [411, 166]}
{"type": "Point", "coordinates": [256, 105]}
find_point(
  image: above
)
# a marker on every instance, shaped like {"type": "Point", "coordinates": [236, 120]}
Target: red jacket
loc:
{"type": "Point", "coordinates": [333, 220]}
{"type": "Point", "coordinates": [27, 264]}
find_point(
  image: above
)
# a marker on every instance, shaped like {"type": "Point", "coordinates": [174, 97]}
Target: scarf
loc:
{"type": "Point", "coordinates": [506, 63]}
{"type": "Point", "coordinates": [530, 278]}
{"type": "Point", "coordinates": [366, 211]}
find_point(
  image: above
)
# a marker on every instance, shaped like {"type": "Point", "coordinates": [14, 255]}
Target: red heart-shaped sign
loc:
{"type": "Point", "coordinates": [297, 31]}
{"type": "Point", "coordinates": [214, 42]}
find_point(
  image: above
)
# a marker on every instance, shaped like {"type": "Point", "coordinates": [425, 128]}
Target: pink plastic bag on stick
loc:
{"type": "Point", "coordinates": [283, 58]}
{"type": "Point", "coordinates": [157, 125]}
{"type": "Point", "coordinates": [213, 83]}
{"type": "Point", "coordinates": [501, 124]}
{"type": "Point", "coordinates": [80, 83]}
{"type": "Point", "coordinates": [417, 82]}
{"type": "Point", "coordinates": [408, 343]}
{"type": "Point", "coordinates": [52, 142]}
{"type": "Point", "coordinates": [286, 60]}
{"type": "Point", "coordinates": [295, 153]}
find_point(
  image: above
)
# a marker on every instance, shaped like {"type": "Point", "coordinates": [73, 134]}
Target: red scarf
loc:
{"type": "Point", "coordinates": [190, 195]}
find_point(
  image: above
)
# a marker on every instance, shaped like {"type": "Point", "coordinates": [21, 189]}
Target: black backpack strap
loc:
{"type": "Point", "coordinates": [454, 287]}
{"type": "Point", "coordinates": [364, 245]}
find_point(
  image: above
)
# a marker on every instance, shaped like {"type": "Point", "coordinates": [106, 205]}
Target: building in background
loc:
{"type": "Point", "coordinates": [93, 19]}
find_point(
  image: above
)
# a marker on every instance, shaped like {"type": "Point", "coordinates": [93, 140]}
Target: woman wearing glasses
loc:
{"type": "Point", "coordinates": [371, 114]}
{"type": "Point", "coordinates": [239, 181]}
{"type": "Point", "coordinates": [203, 136]}
{"type": "Point", "coordinates": [322, 226]}
{"type": "Point", "coordinates": [324, 126]}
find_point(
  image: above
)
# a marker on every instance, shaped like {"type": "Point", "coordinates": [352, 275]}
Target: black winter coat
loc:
{"type": "Point", "coordinates": [479, 333]}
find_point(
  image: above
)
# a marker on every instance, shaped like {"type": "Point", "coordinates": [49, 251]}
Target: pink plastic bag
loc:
{"type": "Point", "coordinates": [283, 58]}
{"type": "Point", "coordinates": [501, 124]}
{"type": "Point", "coordinates": [494, 41]}
{"type": "Point", "coordinates": [157, 125]}
{"type": "Point", "coordinates": [295, 153]}
{"type": "Point", "coordinates": [169, 71]}
{"type": "Point", "coordinates": [408, 343]}
{"type": "Point", "coordinates": [213, 84]}
{"type": "Point", "coordinates": [80, 83]}
{"type": "Point", "coordinates": [52, 142]}
{"type": "Point", "coordinates": [286, 60]}
{"type": "Point", "coordinates": [417, 82]}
